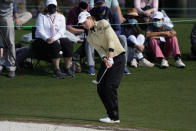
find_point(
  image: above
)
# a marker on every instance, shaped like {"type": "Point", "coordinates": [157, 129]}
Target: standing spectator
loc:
{"type": "Point", "coordinates": [21, 15]}
{"type": "Point", "coordinates": [146, 7]}
{"type": "Point", "coordinates": [103, 38]}
{"type": "Point", "coordinates": [163, 41]}
{"type": "Point", "coordinates": [7, 32]}
{"type": "Point", "coordinates": [72, 21]}
{"type": "Point", "coordinates": [193, 43]}
{"type": "Point", "coordinates": [135, 40]}
{"type": "Point", "coordinates": [114, 5]}
{"type": "Point", "coordinates": [50, 39]}
{"type": "Point", "coordinates": [99, 12]}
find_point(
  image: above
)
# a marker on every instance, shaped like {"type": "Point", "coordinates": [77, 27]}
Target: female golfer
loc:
{"type": "Point", "coordinates": [102, 37]}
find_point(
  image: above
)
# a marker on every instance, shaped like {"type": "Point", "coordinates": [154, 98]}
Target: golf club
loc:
{"type": "Point", "coordinates": [96, 82]}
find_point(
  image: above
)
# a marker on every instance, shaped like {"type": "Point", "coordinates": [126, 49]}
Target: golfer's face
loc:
{"type": "Point", "coordinates": [87, 24]}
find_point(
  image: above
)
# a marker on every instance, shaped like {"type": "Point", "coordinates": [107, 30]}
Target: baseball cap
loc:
{"type": "Point", "coordinates": [49, 2]}
{"type": "Point", "coordinates": [157, 15]}
{"type": "Point", "coordinates": [99, 1]}
{"type": "Point", "coordinates": [83, 16]}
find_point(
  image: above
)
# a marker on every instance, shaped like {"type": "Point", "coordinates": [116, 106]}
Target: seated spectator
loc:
{"type": "Point", "coordinates": [135, 40]}
{"type": "Point", "coordinates": [146, 7]}
{"type": "Point", "coordinates": [193, 43]}
{"type": "Point", "coordinates": [145, 10]}
{"type": "Point", "coordinates": [72, 20]}
{"type": "Point", "coordinates": [115, 6]}
{"type": "Point", "coordinates": [50, 41]}
{"type": "Point", "coordinates": [163, 41]}
{"type": "Point", "coordinates": [21, 16]}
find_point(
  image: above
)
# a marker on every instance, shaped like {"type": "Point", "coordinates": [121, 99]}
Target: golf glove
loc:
{"type": "Point", "coordinates": [111, 61]}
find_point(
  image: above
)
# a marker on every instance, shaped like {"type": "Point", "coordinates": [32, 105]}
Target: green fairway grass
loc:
{"type": "Point", "coordinates": [154, 98]}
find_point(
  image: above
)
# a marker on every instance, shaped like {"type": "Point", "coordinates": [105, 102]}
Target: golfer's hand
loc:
{"type": "Point", "coordinates": [108, 62]}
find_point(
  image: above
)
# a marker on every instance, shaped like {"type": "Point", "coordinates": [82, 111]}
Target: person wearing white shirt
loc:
{"type": "Point", "coordinates": [50, 39]}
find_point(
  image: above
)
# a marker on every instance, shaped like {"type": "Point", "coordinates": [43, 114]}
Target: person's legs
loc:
{"type": "Point", "coordinates": [90, 58]}
{"type": "Point", "coordinates": [67, 48]}
{"type": "Point", "coordinates": [171, 47]}
{"type": "Point", "coordinates": [9, 53]}
{"type": "Point", "coordinates": [107, 89]}
{"type": "Point", "coordinates": [56, 62]}
{"type": "Point", "coordinates": [142, 61]}
{"type": "Point", "coordinates": [22, 54]}
{"type": "Point", "coordinates": [123, 41]}
{"type": "Point", "coordinates": [156, 50]}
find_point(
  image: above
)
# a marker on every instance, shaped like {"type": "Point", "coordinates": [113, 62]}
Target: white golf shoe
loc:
{"type": "Point", "coordinates": [164, 63]}
{"type": "Point", "coordinates": [108, 120]}
{"type": "Point", "coordinates": [179, 63]}
{"type": "Point", "coordinates": [133, 63]}
{"type": "Point", "coordinates": [144, 62]}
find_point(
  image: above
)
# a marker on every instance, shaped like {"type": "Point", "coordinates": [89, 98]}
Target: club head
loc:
{"type": "Point", "coordinates": [95, 82]}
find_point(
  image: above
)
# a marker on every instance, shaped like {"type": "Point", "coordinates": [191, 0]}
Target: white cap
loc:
{"type": "Point", "coordinates": [48, 2]}
{"type": "Point", "coordinates": [157, 15]}
{"type": "Point", "coordinates": [83, 16]}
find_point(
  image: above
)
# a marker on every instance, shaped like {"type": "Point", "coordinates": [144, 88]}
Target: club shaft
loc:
{"type": "Point", "coordinates": [102, 75]}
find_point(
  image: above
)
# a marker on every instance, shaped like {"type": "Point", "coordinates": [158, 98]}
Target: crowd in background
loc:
{"type": "Point", "coordinates": [55, 38]}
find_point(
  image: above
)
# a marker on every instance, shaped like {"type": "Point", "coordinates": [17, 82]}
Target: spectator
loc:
{"type": "Point", "coordinates": [99, 12]}
{"type": "Point", "coordinates": [193, 43]}
{"type": "Point", "coordinates": [7, 32]}
{"type": "Point", "coordinates": [135, 39]}
{"type": "Point", "coordinates": [114, 5]}
{"type": "Point", "coordinates": [105, 41]}
{"type": "Point", "coordinates": [21, 16]}
{"type": "Point", "coordinates": [146, 7]}
{"type": "Point", "coordinates": [50, 39]}
{"type": "Point", "coordinates": [163, 41]}
{"type": "Point", "coordinates": [72, 19]}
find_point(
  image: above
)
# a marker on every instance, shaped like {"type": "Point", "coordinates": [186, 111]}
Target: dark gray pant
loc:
{"type": "Point", "coordinates": [107, 89]}
{"type": "Point", "coordinates": [9, 35]}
